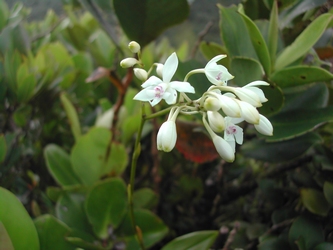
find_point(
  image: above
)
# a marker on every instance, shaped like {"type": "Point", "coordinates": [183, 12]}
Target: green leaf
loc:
{"type": "Point", "coordinates": [273, 32]}
{"type": "Point", "coordinates": [324, 246]}
{"type": "Point", "coordinates": [145, 20]}
{"type": "Point", "coordinates": [25, 86]}
{"type": "Point", "coordinates": [193, 241]}
{"type": "Point", "coordinates": [20, 39]}
{"type": "Point", "coordinates": [234, 33]}
{"type": "Point", "coordinates": [59, 166]}
{"type": "Point", "coordinates": [297, 122]}
{"type": "Point", "coordinates": [82, 244]}
{"type": "Point", "coordinates": [70, 210]}
{"type": "Point", "coordinates": [5, 241]}
{"type": "Point", "coordinates": [11, 65]}
{"type": "Point", "coordinates": [145, 198]}
{"type": "Point", "coordinates": [211, 49]}
{"type": "Point", "coordinates": [280, 151]}
{"type": "Point", "coordinates": [309, 229]}
{"type": "Point", "coordinates": [245, 70]}
{"type": "Point", "coordinates": [300, 75]}
{"type": "Point", "coordinates": [274, 243]}
{"type": "Point", "coordinates": [3, 148]}
{"type": "Point", "coordinates": [71, 115]}
{"type": "Point", "coordinates": [259, 44]}
{"type": "Point", "coordinates": [152, 227]}
{"type": "Point", "coordinates": [52, 233]}
{"type": "Point", "coordinates": [106, 205]}
{"type": "Point", "coordinates": [304, 41]}
{"type": "Point", "coordinates": [328, 192]}
{"type": "Point", "coordinates": [17, 222]}
{"type": "Point", "coordinates": [91, 157]}
{"type": "Point", "coordinates": [314, 201]}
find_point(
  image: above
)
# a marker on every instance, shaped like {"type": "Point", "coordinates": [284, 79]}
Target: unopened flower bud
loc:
{"type": "Point", "coordinates": [212, 104]}
{"type": "Point", "coordinates": [128, 62]}
{"type": "Point", "coordinates": [264, 127]}
{"type": "Point", "coordinates": [167, 136]}
{"type": "Point", "coordinates": [223, 148]}
{"type": "Point", "coordinates": [141, 74]}
{"type": "Point", "coordinates": [216, 121]}
{"type": "Point", "coordinates": [134, 47]}
{"type": "Point", "coordinates": [159, 69]}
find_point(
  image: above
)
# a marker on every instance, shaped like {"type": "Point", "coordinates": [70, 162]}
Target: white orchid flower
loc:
{"type": "Point", "coordinates": [217, 74]}
{"type": "Point", "coordinates": [232, 132]}
{"type": "Point", "coordinates": [156, 89]}
{"type": "Point", "coordinates": [167, 136]}
{"type": "Point", "coordinates": [216, 121]}
{"type": "Point", "coordinates": [223, 148]}
{"type": "Point", "coordinates": [265, 126]}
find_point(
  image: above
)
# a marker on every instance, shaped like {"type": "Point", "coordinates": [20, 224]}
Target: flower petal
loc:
{"type": "Point", "coordinates": [223, 148]}
{"type": "Point", "coordinates": [170, 67]}
{"type": "Point", "coordinates": [182, 87]}
{"type": "Point", "coordinates": [145, 95]}
{"type": "Point", "coordinates": [152, 81]}
{"type": "Point", "coordinates": [170, 96]}
{"type": "Point", "coordinates": [264, 127]}
{"type": "Point", "coordinates": [256, 83]}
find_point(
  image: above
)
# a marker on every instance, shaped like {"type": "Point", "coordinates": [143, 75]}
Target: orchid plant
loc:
{"type": "Point", "coordinates": [221, 106]}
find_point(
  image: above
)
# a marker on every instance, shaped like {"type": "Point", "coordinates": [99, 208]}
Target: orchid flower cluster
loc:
{"type": "Point", "coordinates": [222, 106]}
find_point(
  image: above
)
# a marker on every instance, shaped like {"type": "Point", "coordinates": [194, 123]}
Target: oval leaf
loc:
{"type": "Point", "coordinates": [304, 41]}
{"type": "Point", "coordinates": [245, 70]}
{"type": "Point", "coordinates": [106, 205]}
{"type": "Point", "coordinates": [59, 166]}
{"type": "Point", "coordinates": [300, 75]}
{"type": "Point", "coordinates": [314, 201]}
{"type": "Point", "coordinates": [193, 241]}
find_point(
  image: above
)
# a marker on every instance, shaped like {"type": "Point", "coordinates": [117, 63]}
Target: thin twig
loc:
{"type": "Point", "coordinates": [231, 236]}
{"type": "Point", "coordinates": [200, 38]}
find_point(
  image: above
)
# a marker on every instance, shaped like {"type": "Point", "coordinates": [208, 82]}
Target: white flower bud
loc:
{"type": "Point", "coordinates": [246, 95]}
{"type": "Point", "coordinates": [141, 74]}
{"type": "Point", "coordinates": [134, 47]}
{"type": "Point", "coordinates": [230, 106]}
{"type": "Point", "coordinates": [212, 104]}
{"type": "Point", "coordinates": [128, 62]}
{"type": "Point", "coordinates": [223, 148]}
{"type": "Point", "coordinates": [249, 113]}
{"type": "Point", "coordinates": [167, 136]}
{"type": "Point", "coordinates": [264, 127]}
{"type": "Point", "coordinates": [159, 69]}
{"type": "Point", "coordinates": [216, 121]}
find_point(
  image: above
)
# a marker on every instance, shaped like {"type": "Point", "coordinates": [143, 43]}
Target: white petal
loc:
{"type": "Point", "coordinates": [170, 96]}
{"type": "Point", "coordinates": [248, 96]}
{"type": "Point", "coordinates": [152, 81]}
{"type": "Point", "coordinates": [249, 113]}
{"type": "Point", "coordinates": [170, 67]}
{"type": "Point", "coordinates": [155, 101]}
{"type": "Point", "coordinates": [239, 135]}
{"type": "Point", "coordinates": [167, 136]}
{"type": "Point", "coordinates": [215, 59]}
{"type": "Point", "coordinates": [182, 86]}
{"type": "Point", "coordinates": [256, 83]}
{"type": "Point", "coordinates": [223, 148]}
{"type": "Point", "coordinates": [216, 121]}
{"type": "Point", "coordinates": [264, 127]}
{"type": "Point", "coordinates": [230, 106]}
{"type": "Point", "coordinates": [259, 93]}
{"type": "Point", "coordinates": [145, 95]}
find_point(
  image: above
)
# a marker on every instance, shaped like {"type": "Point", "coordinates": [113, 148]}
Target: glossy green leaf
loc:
{"type": "Point", "coordinates": [299, 98]}
{"type": "Point", "coordinates": [152, 227]}
{"type": "Point", "coordinates": [70, 210]}
{"type": "Point", "coordinates": [300, 75]}
{"type": "Point", "coordinates": [145, 20]}
{"type": "Point", "coordinates": [52, 233]}
{"type": "Point", "coordinates": [21, 40]}
{"type": "Point", "coordinates": [145, 198]}
{"type": "Point", "coordinates": [234, 33]}
{"type": "Point", "coordinates": [259, 44]}
{"type": "Point", "coordinates": [309, 229]}
{"type": "Point", "coordinates": [275, 100]}
{"type": "Point", "coordinates": [314, 201]}
{"type": "Point", "coordinates": [297, 122]}
{"type": "Point", "coordinates": [3, 148]}
{"type": "Point", "coordinates": [303, 42]}
{"type": "Point", "coordinates": [11, 65]}
{"type": "Point", "coordinates": [245, 70]}
{"type": "Point", "coordinates": [82, 244]}
{"type": "Point", "coordinates": [211, 49]}
{"type": "Point", "coordinates": [106, 205]}
{"type": "Point", "coordinates": [328, 192]}
{"type": "Point", "coordinates": [273, 32]}
{"type": "Point", "coordinates": [324, 246]}
{"type": "Point", "coordinates": [17, 222]}
{"type": "Point", "coordinates": [5, 241]}
{"type": "Point", "coordinates": [71, 115]}
{"type": "Point", "coordinates": [280, 151]}
{"type": "Point", "coordinates": [193, 241]}
{"type": "Point", "coordinates": [59, 166]}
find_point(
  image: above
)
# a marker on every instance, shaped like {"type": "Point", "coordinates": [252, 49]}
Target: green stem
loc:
{"type": "Point", "coordinates": [136, 153]}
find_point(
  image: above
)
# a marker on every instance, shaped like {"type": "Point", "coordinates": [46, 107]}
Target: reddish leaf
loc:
{"type": "Point", "coordinates": [325, 52]}
{"type": "Point", "coordinates": [194, 143]}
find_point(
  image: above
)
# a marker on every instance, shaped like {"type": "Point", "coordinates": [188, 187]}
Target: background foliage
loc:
{"type": "Point", "coordinates": [68, 124]}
